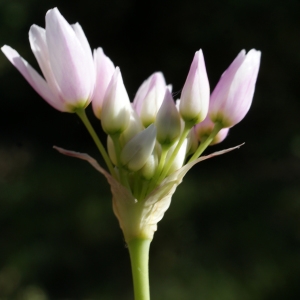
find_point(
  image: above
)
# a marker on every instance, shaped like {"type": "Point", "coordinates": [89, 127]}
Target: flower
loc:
{"type": "Point", "coordinates": [149, 141]}
{"type": "Point", "coordinates": [65, 58]}
{"type": "Point", "coordinates": [232, 96]}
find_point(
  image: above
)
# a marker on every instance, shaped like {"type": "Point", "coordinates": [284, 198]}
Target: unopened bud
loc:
{"type": "Point", "coordinates": [194, 99]}
{"type": "Point", "coordinates": [168, 121]}
{"type": "Point", "coordinates": [232, 96]}
{"type": "Point", "coordinates": [136, 152]}
{"type": "Point", "coordinates": [116, 106]}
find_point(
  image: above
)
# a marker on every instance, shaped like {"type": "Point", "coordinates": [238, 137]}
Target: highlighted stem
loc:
{"type": "Point", "coordinates": [168, 164]}
{"type": "Point", "coordinates": [206, 142]}
{"type": "Point", "coordinates": [82, 115]}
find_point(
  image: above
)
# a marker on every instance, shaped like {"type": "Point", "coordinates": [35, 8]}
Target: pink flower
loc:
{"type": "Point", "coordinates": [65, 58]}
{"type": "Point", "coordinates": [232, 97]}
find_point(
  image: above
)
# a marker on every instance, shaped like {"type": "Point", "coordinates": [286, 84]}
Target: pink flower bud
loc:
{"type": "Point", "coordinates": [205, 128]}
{"type": "Point", "coordinates": [195, 93]}
{"type": "Point", "coordinates": [232, 97]}
{"type": "Point", "coordinates": [104, 72]}
{"type": "Point", "coordinates": [116, 106]}
{"type": "Point", "coordinates": [149, 98]}
{"type": "Point", "coordinates": [168, 121]}
{"type": "Point", "coordinates": [66, 61]}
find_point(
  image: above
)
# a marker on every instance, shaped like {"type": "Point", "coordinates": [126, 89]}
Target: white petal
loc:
{"type": "Point", "coordinates": [86, 47]}
{"type": "Point", "coordinates": [69, 62]}
{"type": "Point", "coordinates": [37, 39]}
{"type": "Point", "coordinates": [33, 78]}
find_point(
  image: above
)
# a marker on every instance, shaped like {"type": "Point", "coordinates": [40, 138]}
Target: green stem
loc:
{"type": "Point", "coordinates": [82, 115]}
{"type": "Point", "coordinates": [144, 190]}
{"type": "Point", "coordinates": [139, 257]}
{"type": "Point", "coordinates": [207, 142]}
{"type": "Point", "coordinates": [168, 164]}
{"type": "Point", "coordinates": [122, 172]}
{"type": "Point", "coordinates": [159, 169]}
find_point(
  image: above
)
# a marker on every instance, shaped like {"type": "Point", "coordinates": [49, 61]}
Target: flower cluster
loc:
{"type": "Point", "coordinates": [151, 142]}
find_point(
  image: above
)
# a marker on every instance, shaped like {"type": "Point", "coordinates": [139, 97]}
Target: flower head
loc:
{"type": "Point", "coordinates": [149, 141]}
{"type": "Point", "coordinates": [65, 59]}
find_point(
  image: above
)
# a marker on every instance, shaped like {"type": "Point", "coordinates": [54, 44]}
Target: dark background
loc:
{"type": "Point", "coordinates": [233, 229]}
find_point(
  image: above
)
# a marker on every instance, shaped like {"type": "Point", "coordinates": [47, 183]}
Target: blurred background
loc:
{"type": "Point", "coordinates": [233, 229]}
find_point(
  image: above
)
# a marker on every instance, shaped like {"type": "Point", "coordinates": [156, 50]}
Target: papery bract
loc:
{"type": "Point", "coordinates": [65, 59]}
{"type": "Point", "coordinates": [232, 96]}
{"type": "Point", "coordinates": [138, 219]}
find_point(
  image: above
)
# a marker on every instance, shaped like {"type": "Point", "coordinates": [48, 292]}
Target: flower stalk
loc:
{"type": "Point", "coordinates": [206, 142]}
{"type": "Point", "coordinates": [83, 117]}
{"type": "Point", "coordinates": [139, 257]}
